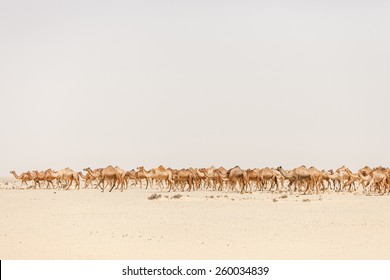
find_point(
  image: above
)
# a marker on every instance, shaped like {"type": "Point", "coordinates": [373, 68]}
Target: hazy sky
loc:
{"type": "Point", "coordinates": [194, 83]}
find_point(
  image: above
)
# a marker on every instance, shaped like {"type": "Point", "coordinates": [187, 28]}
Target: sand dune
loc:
{"type": "Point", "coordinates": [89, 224]}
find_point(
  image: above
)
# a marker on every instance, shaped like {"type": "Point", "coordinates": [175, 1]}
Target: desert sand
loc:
{"type": "Point", "coordinates": [89, 224]}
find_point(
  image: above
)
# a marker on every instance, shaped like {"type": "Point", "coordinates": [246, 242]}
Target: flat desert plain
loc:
{"type": "Point", "coordinates": [90, 224]}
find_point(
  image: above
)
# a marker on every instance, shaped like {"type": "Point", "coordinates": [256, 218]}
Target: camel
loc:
{"type": "Point", "coordinates": [130, 175]}
{"type": "Point", "coordinates": [219, 177]}
{"type": "Point", "coordinates": [68, 175]}
{"type": "Point", "coordinates": [316, 179]}
{"type": "Point", "coordinates": [254, 177]}
{"type": "Point", "coordinates": [111, 175]}
{"type": "Point", "coordinates": [161, 174]}
{"type": "Point", "coordinates": [198, 177]}
{"type": "Point", "coordinates": [39, 177]}
{"type": "Point", "coordinates": [287, 175]}
{"type": "Point", "coordinates": [329, 176]}
{"type": "Point", "coordinates": [122, 174]}
{"type": "Point", "coordinates": [95, 175]}
{"type": "Point", "coordinates": [25, 177]}
{"type": "Point", "coordinates": [268, 175]}
{"type": "Point", "coordinates": [298, 176]}
{"type": "Point", "coordinates": [88, 179]}
{"type": "Point", "coordinates": [344, 176]}
{"type": "Point", "coordinates": [183, 177]}
{"type": "Point", "coordinates": [209, 176]}
{"type": "Point", "coordinates": [377, 178]}
{"type": "Point", "coordinates": [354, 178]}
{"type": "Point", "coordinates": [49, 178]}
{"type": "Point", "coordinates": [236, 174]}
{"type": "Point", "coordinates": [143, 174]}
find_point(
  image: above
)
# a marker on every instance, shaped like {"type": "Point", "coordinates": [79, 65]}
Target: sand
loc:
{"type": "Point", "coordinates": [89, 224]}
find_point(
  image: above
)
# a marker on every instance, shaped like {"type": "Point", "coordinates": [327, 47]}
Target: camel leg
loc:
{"type": "Point", "coordinates": [112, 186]}
{"type": "Point", "coordinates": [25, 183]}
{"type": "Point", "coordinates": [147, 183]}
{"type": "Point", "coordinates": [101, 186]}
{"type": "Point", "coordinates": [69, 184]}
{"type": "Point", "coordinates": [242, 187]}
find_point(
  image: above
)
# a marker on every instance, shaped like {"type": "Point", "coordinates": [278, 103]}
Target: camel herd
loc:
{"type": "Point", "coordinates": [300, 179]}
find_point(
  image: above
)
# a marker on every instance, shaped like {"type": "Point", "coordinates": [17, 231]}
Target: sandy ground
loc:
{"type": "Point", "coordinates": [89, 224]}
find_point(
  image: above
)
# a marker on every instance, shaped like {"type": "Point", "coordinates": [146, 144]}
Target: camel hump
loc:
{"type": "Point", "coordinates": [161, 168]}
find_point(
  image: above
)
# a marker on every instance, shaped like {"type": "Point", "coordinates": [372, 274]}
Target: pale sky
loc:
{"type": "Point", "coordinates": [194, 83]}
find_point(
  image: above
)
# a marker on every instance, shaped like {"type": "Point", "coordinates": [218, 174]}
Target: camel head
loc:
{"type": "Point", "coordinates": [12, 172]}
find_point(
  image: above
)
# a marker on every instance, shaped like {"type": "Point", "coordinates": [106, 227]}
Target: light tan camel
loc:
{"type": "Point", "coordinates": [198, 177]}
{"type": "Point", "coordinates": [24, 177]}
{"type": "Point", "coordinates": [88, 179]}
{"type": "Point", "coordinates": [353, 179]}
{"type": "Point", "coordinates": [379, 178]}
{"type": "Point", "coordinates": [122, 173]}
{"type": "Point", "coordinates": [316, 179]}
{"type": "Point", "coordinates": [209, 176]}
{"type": "Point", "coordinates": [67, 175]}
{"type": "Point", "coordinates": [330, 177]}
{"type": "Point", "coordinates": [142, 174]}
{"type": "Point", "coordinates": [161, 174]}
{"type": "Point", "coordinates": [344, 176]}
{"type": "Point", "coordinates": [376, 178]}
{"type": "Point", "coordinates": [130, 175]}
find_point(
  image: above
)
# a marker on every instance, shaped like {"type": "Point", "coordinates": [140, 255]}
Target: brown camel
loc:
{"type": "Point", "coordinates": [254, 177]}
{"type": "Point", "coordinates": [298, 176]}
{"type": "Point", "coordinates": [111, 176]}
{"type": "Point", "coordinates": [183, 177]}
{"type": "Point", "coordinates": [268, 175]}
{"type": "Point", "coordinates": [236, 174]}
{"type": "Point", "coordinates": [49, 178]}
{"type": "Point", "coordinates": [39, 177]}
